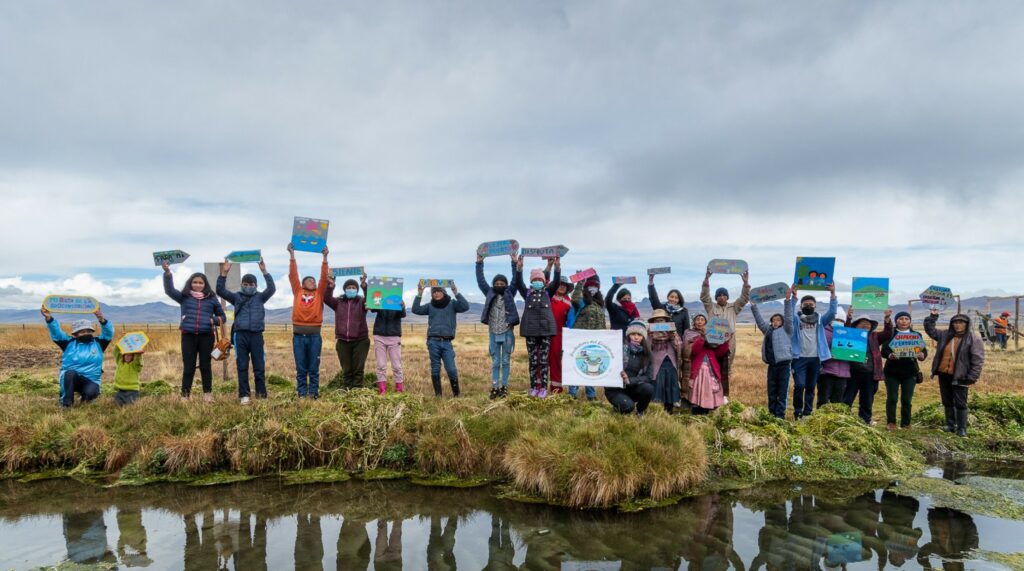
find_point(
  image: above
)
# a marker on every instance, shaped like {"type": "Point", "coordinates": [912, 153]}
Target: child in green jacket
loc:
{"type": "Point", "coordinates": [126, 376]}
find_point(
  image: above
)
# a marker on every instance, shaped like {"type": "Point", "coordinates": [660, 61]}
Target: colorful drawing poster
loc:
{"type": "Point", "coordinates": [623, 280]}
{"type": "Point", "coordinates": [172, 257]}
{"type": "Point", "coordinates": [661, 327]}
{"type": "Point", "coordinates": [434, 282]}
{"type": "Point", "coordinates": [937, 295]}
{"type": "Point", "coordinates": [659, 271]}
{"type": "Point", "coordinates": [727, 266]}
{"type": "Point", "coordinates": [309, 234]}
{"type": "Point", "coordinates": [717, 331]}
{"type": "Point", "coordinates": [592, 358]}
{"type": "Point", "coordinates": [814, 273]}
{"type": "Point", "coordinates": [906, 344]}
{"type": "Point", "coordinates": [242, 256]}
{"type": "Point", "coordinates": [582, 275]}
{"type": "Point", "coordinates": [498, 248]}
{"type": "Point", "coordinates": [384, 293]}
{"type": "Point", "coordinates": [547, 252]}
{"type": "Point", "coordinates": [134, 342]}
{"type": "Point", "coordinates": [849, 344]}
{"type": "Point", "coordinates": [871, 293]}
{"type": "Point", "coordinates": [70, 304]}
{"type": "Point", "coordinates": [770, 292]}
{"type": "Point", "coordinates": [347, 271]}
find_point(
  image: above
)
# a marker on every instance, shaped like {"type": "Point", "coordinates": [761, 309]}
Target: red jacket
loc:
{"type": "Point", "coordinates": [699, 350]}
{"type": "Point", "coordinates": [561, 308]}
{"type": "Point", "coordinates": [349, 316]}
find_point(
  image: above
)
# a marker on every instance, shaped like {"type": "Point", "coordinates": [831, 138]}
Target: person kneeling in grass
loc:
{"type": "Point", "coordinates": [81, 367]}
{"type": "Point", "coordinates": [126, 376]}
{"type": "Point", "coordinates": [637, 389]}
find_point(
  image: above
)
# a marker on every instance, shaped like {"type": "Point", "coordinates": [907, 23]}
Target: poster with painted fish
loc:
{"type": "Point", "coordinates": [849, 344]}
{"type": "Point", "coordinates": [870, 293]}
{"type": "Point", "coordinates": [582, 275]}
{"type": "Point", "coordinates": [937, 295]}
{"type": "Point", "coordinates": [498, 248]}
{"type": "Point", "coordinates": [717, 331]}
{"type": "Point", "coordinates": [309, 234]}
{"type": "Point", "coordinates": [436, 282]}
{"type": "Point", "coordinates": [659, 271]}
{"type": "Point", "coordinates": [547, 252]}
{"type": "Point", "coordinates": [171, 256]}
{"type": "Point", "coordinates": [727, 266]}
{"type": "Point", "coordinates": [623, 280]}
{"type": "Point", "coordinates": [70, 304]}
{"type": "Point", "coordinates": [347, 271]}
{"type": "Point", "coordinates": [770, 292]}
{"type": "Point", "coordinates": [814, 274]}
{"type": "Point", "coordinates": [243, 256]}
{"type": "Point", "coordinates": [384, 293]}
{"type": "Point", "coordinates": [134, 342]}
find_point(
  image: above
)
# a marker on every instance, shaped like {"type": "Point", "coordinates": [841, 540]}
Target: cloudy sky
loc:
{"type": "Point", "coordinates": [888, 134]}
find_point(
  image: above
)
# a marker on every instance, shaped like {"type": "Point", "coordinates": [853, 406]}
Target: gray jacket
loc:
{"type": "Point", "coordinates": [782, 345]}
{"type": "Point", "coordinates": [441, 320]}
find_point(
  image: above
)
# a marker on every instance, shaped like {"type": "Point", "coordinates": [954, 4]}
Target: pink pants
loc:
{"type": "Point", "coordinates": [388, 348]}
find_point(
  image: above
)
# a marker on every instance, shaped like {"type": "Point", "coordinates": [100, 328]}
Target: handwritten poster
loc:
{"type": "Point", "coordinates": [582, 275]}
{"type": "Point", "coordinates": [937, 295]}
{"type": "Point", "coordinates": [242, 256]}
{"type": "Point", "coordinates": [770, 292]}
{"type": "Point", "coordinates": [654, 327]}
{"type": "Point", "coordinates": [906, 344]}
{"type": "Point", "coordinates": [870, 293]}
{"type": "Point", "coordinates": [547, 252]}
{"type": "Point", "coordinates": [849, 344]}
{"type": "Point", "coordinates": [347, 271]}
{"type": "Point", "coordinates": [384, 293]}
{"type": "Point", "coordinates": [592, 358]}
{"type": "Point", "coordinates": [814, 273]}
{"type": "Point", "coordinates": [309, 234]}
{"type": "Point", "coordinates": [659, 271]}
{"type": "Point", "coordinates": [727, 266]}
{"type": "Point", "coordinates": [134, 342]}
{"type": "Point", "coordinates": [623, 280]}
{"type": "Point", "coordinates": [70, 304]}
{"type": "Point", "coordinates": [435, 282]}
{"type": "Point", "coordinates": [498, 248]}
{"type": "Point", "coordinates": [172, 257]}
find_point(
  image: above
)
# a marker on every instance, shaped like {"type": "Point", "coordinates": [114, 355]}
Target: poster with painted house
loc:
{"type": "Point", "coordinates": [592, 358]}
{"type": "Point", "coordinates": [814, 274]}
{"type": "Point", "coordinates": [871, 293]}
{"type": "Point", "coordinates": [309, 234]}
{"type": "Point", "coordinates": [849, 344]}
{"type": "Point", "coordinates": [384, 293]}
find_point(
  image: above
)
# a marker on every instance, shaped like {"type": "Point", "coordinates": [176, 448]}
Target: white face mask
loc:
{"type": "Point", "coordinates": [593, 290]}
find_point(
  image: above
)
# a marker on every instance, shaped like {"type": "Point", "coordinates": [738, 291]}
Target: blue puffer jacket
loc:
{"type": "Point", "coordinates": [252, 316]}
{"type": "Point", "coordinates": [511, 312]}
{"type": "Point", "coordinates": [195, 313]}
{"type": "Point", "coordinates": [86, 359]}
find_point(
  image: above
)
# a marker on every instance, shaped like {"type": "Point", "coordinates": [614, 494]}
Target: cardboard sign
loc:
{"type": "Point", "coordinates": [582, 275]}
{"type": "Point", "coordinates": [870, 293]}
{"type": "Point", "coordinates": [717, 330]}
{"type": "Point", "coordinates": [172, 257]}
{"type": "Point", "coordinates": [70, 304]}
{"type": "Point", "coordinates": [906, 344]}
{"type": "Point", "coordinates": [547, 252]}
{"type": "Point", "coordinates": [347, 271]}
{"type": "Point", "coordinates": [937, 295]}
{"type": "Point", "coordinates": [727, 266]}
{"type": "Point", "coordinates": [428, 283]}
{"type": "Point", "coordinates": [592, 358]}
{"type": "Point", "coordinates": [814, 273]}
{"type": "Point", "coordinates": [770, 292]}
{"type": "Point", "coordinates": [849, 344]}
{"type": "Point", "coordinates": [384, 293]}
{"type": "Point", "coordinates": [242, 256]}
{"type": "Point", "coordinates": [622, 280]}
{"type": "Point", "coordinates": [309, 234]}
{"type": "Point", "coordinates": [498, 248]}
{"type": "Point", "coordinates": [134, 342]}
{"type": "Point", "coordinates": [659, 271]}
{"type": "Point", "coordinates": [654, 327]}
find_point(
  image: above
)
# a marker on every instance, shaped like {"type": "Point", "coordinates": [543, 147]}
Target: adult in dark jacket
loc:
{"type": "Point", "coordinates": [387, 346]}
{"type": "Point", "coordinates": [864, 377]}
{"type": "Point", "coordinates": [352, 336]}
{"type": "Point", "coordinates": [902, 373]}
{"type": "Point", "coordinates": [637, 380]}
{"type": "Point", "coordinates": [622, 311]}
{"type": "Point", "coordinates": [247, 330]}
{"type": "Point", "coordinates": [959, 357]}
{"type": "Point", "coordinates": [441, 323]}
{"type": "Point", "coordinates": [200, 314]}
{"type": "Point", "coordinates": [538, 323]}
{"type": "Point", "coordinates": [674, 305]}
{"type": "Point", "coordinates": [501, 316]}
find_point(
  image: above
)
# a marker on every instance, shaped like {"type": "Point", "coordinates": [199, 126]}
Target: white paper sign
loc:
{"type": "Point", "coordinates": [592, 358]}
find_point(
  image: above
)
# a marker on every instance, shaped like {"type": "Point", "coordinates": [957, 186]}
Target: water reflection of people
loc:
{"type": "Point", "coordinates": [85, 535]}
{"type": "Point", "coordinates": [954, 536]}
{"type": "Point", "coordinates": [200, 551]}
{"type": "Point", "coordinates": [131, 541]}
{"type": "Point", "coordinates": [309, 542]}
{"type": "Point", "coordinates": [711, 546]}
{"type": "Point", "coordinates": [441, 545]}
{"type": "Point", "coordinates": [897, 530]}
{"type": "Point", "coordinates": [253, 552]}
{"type": "Point", "coordinates": [388, 552]}
{"type": "Point", "coordinates": [500, 550]}
{"type": "Point", "coordinates": [353, 546]}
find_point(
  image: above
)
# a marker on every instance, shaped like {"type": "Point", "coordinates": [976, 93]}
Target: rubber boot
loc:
{"type": "Point", "coordinates": [454, 380]}
{"type": "Point", "coordinates": [961, 422]}
{"type": "Point", "coordinates": [950, 420]}
{"type": "Point", "coordinates": [436, 380]}
{"type": "Point", "coordinates": [382, 387]}
{"type": "Point", "coordinates": [399, 387]}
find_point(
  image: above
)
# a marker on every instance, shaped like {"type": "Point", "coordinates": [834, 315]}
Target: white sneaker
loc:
{"type": "Point", "coordinates": [244, 401]}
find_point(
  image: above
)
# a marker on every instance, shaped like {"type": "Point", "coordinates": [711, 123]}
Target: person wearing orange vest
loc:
{"type": "Point", "coordinates": [1002, 327]}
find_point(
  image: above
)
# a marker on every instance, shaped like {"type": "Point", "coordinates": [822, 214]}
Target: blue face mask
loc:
{"type": "Point", "coordinates": [350, 293]}
{"type": "Point", "coordinates": [249, 290]}
{"type": "Point", "coordinates": [537, 285]}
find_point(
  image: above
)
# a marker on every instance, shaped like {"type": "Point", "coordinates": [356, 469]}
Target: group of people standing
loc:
{"type": "Point", "coordinates": [675, 366]}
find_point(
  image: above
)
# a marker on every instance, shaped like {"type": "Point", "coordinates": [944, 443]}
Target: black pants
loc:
{"type": "Point", "coordinates": [71, 382]}
{"type": "Point", "coordinates": [196, 345]}
{"type": "Point", "coordinates": [249, 345]}
{"type": "Point", "coordinates": [831, 389]}
{"type": "Point", "coordinates": [954, 396]}
{"type": "Point", "coordinates": [864, 385]}
{"type": "Point", "coordinates": [634, 397]}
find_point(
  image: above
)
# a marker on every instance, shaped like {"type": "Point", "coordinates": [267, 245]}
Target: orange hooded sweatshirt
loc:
{"type": "Point", "coordinates": [307, 308]}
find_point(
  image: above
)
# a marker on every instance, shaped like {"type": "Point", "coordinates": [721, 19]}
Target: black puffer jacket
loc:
{"type": "Point", "coordinates": [388, 322]}
{"type": "Point", "coordinates": [538, 320]}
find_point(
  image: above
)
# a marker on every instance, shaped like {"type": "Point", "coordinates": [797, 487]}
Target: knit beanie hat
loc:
{"type": "Point", "coordinates": [350, 283]}
{"type": "Point", "coordinates": [499, 277]}
{"type": "Point", "coordinates": [249, 279]}
{"type": "Point", "coordinates": [592, 282]}
{"type": "Point", "coordinates": [902, 314]}
{"type": "Point", "coordinates": [537, 274]}
{"type": "Point", "coordinates": [622, 293]}
{"type": "Point", "coordinates": [639, 327]}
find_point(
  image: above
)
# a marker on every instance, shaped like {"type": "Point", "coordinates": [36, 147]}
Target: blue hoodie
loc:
{"type": "Point", "coordinates": [824, 351]}
{"type": "Point", "coordinates": [86, 359]}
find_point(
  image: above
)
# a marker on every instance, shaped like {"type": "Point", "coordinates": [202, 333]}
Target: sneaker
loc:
{"type": "Point", "coordinates": [503, 392]}
{"type": "Point", "coordinates": [543, 393]}
{"type": "Point", "coordinates": [244, 401]}
{"type": "Point", "coordinates": [533, 392]}
{"type": "Point", "coordinates": [207, 397]}
{"type": "Point", "coordinates": [495, 393]}
{"type": "Point", "coordinates": [891, 426]}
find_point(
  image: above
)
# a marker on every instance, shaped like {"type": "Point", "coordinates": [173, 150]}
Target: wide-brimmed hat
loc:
{"type": "Point", "coordinates": [659, 315]}
{"type": "Point", "coordinates": [873, 323]}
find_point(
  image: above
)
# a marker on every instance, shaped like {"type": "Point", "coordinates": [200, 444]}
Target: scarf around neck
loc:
{"type": "Point", "coordinates": [630, 308]}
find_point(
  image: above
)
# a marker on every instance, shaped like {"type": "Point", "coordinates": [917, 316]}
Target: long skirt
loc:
{"type": "Point", "coordinates": [706, 389]}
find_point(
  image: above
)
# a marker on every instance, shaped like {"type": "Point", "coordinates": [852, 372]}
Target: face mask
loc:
{"type": "Point", "coordinates": [351, 293]}
{"type": "Point", "coordinates": [499, 290]}
{"type": "Point", "coordinates": [84, 338]}
{"type": "Point", "coordinates": [807, 309]}
{"type": "Point", "coordinates": [537, 285]}
{"type": "Point", "coordinates": [593, 290]}
{"type": "Point", "coordinates": [249, 290]}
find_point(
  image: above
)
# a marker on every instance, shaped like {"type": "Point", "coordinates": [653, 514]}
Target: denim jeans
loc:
{"type": "Point", "coordinates": [778, 388]}
{"type": "Point", "coordinates": [805, 379]}
{"type": "Point", "coordinates": [441, 351]}
{"type": "Point", "coordinates": [500, 348]}
{"type": "Point", "coordinates": [306, 349]}
{"type": "Point", "coordinates": [591, 392]}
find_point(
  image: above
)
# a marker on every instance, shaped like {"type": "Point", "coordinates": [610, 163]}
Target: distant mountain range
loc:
{"type": "Point", "coordinates": [159, 312]}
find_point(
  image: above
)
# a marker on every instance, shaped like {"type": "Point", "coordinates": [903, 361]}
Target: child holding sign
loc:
{"type": "Point", "coordinates": [902, 371]}
{"type": "Point", "coordinates": [538, 323]}
{"type": "Point", "coordinates": [441, 324]}
{"type": "Point", "coordinates": [126, 376]}
{"type": "Point", "coordinates": [706, 391]}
